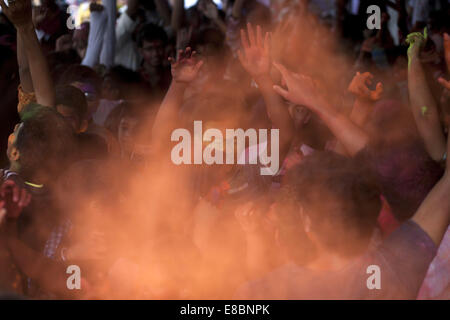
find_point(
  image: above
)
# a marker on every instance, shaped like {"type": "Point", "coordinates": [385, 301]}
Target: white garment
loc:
{"type": "Point", "coordinates": [421, 10]}
{"type": "Point", "coordinates": [101, 41]}
{"type": "Point", "coordinates": [126, 50]}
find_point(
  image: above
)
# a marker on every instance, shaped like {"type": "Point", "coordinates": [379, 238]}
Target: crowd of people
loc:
{"type": "Point", "coordinates": [88, 109]}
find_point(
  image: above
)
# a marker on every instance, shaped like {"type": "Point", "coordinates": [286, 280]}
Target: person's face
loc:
{"type": "Point", "coordinates": [71, 117]}
{"type": "Point", "coordinates": [127, 133]}
{"type": "Point", "coordinates": [153, 52]}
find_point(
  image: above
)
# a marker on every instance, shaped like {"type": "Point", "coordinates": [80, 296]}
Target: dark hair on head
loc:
{"type": "Point", "coordinates": [59, 61]}
{"type": "Point", "coordinates": [125, 109]}
{"type": "Point", "coordinates": [79, 73]}
{"type": "Point", "coordinates": [45, 142]}
{"type": "Point", "coordinates": [121, 74]}
{"type": "Point", "coordinates": [340, 197]}
{"type": "Point", "coordinates": [150, 32]}
{"type": "Point", "coordinates": [73, 98]}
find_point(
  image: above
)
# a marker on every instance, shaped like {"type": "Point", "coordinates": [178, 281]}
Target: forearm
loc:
{"type": "Point", "coordinates": [39, 70]}
{"type": "Point", "coordinates": [49, 274]}
{"type": "Point", "coordinates": [361, 111]}
{"type": "Point", "coordinates": [95, 39]}
{"type": "Point", "coordinates": [350, 135]}
{"type": "Point", "coordinates": [433, 215]}
{"type": "Point", "coordinates": [237, 8]}
{"type": "Point", "coordinates": [167, 115]}
{"type": "Point", "coordinates": [163, 9]}
{"type": "Point", "coordinates": [109, 44]}
{"type": "Point", "coordinates": [177, 15]}
{"type": "Point", "coordinates": [278, 113]}
{"type": "Point", "coordinates": [24, 69]}
{"type": "Point", "coordinates": [359, 115]}
{"type": "Point", "coordinates": [425, 111]}
{"type": "Point", "coordinates": [220, 24]}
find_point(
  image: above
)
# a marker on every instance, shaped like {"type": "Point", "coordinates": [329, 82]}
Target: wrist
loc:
{"type": "Point", "coordinates": [26, 28]}
{"type": "Point", "coordinates": [178, 85]}
{"type": "Point", "coordinates": [263, 80]}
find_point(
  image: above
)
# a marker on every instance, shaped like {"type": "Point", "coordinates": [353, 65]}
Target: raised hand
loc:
{"type": "Point", "coordinates": [359, 88]}
{"type": "Point", "coordinates": [416, 41]}
{"type": "Point", "coordinates": [256, 56]}
{"type": "Point", "coordinates": [19, 12]}
{"type": "Point", "coordinates": [13, 199]}
{"type": "Point", "coordinates": [185, 68]}
{"type": "Point", "coordinates": [301, 89]}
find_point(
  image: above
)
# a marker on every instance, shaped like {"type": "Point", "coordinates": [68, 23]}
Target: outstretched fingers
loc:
{"type": "Point", "coordinates": [282, 92]}
{"type": "Point", "coordinates": [251, 34]}
{"type": "Point", "coordinates": [244, 40]}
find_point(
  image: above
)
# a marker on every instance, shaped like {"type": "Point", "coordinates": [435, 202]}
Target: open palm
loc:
{"type": "Point", "coordinates": [185, 68]}
{"type": "Point", "coordinates": [255, 57]}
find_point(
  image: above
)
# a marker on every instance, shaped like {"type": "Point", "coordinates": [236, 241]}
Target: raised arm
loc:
{"type": "Point", "coordinates": [256, 60]}
{"type": "Point", "coordinates": [97, 30]}
{"type": "Point", "coordinates": [302, 91]}
{"type": "Point", "coordinates": [20, 14]}
{"type": "Point", "coordinates": [433, 215]}
{"type": "Point", "coordinates": [163, 8]}
{"type": "Point", "coordinates": [184, 70]}
{"type": "Point", "coordinates": [109, 44]}
{"type": "Point", "coordinates": [177, 15]}
{"type": "Point", "coordinates": [127, 23]}
{"type": "Point", "coordinates": [364, 97]}
{"type": "Point", "coordinates": [237, 9]}
{"type": "Point", "coordinates": [364, 101]}
{"type": "Point", "coordinates": [423, 105]}
{"type": "Point", "coordinates": [210, 10]}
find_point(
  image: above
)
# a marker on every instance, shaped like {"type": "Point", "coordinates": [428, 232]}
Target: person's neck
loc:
{"type": "Point", "coordinates": [14, 167]}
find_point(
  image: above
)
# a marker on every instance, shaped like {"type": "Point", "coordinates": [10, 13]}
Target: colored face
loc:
{"type": "Point", "coordinates": [153, 52]}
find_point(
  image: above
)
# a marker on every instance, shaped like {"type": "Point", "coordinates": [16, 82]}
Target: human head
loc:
{"type": "Point", "coordinates": [41, 144]}
{"type": "Point", "coordinates": [337, 201]}
{"type": "Point", "coordinates": [72, 105]}
{"type": "Point", "coordinates": [121, 83]}
{"type": "Point", "coordinates": [151, 42]}
{"type": "Point", "coordinates": [87, 80]}
{"type": "Point", "coordinates": [126, 122]}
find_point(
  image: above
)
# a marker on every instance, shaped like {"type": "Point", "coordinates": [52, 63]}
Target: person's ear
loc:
{"type": "Point", "coordinates": [14, 155]}
{"type": "Point", "coordinates": [83, 126]}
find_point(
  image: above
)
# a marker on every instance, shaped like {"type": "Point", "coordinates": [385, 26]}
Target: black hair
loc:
{"type": "Point", "coordinates": [73, 98]}
{"type": "Point", "coordinates": [79, 73]}
{"type": "Point", "coordinates": [59, 61]}
{"type": "Point", "coordinates": [45, 142]}
{"type": "Point", "coordinates": [150, 32]}
{"type": "Point", "coordinates": [125, 109]}
{"type": "Point", "coordinates": [340, 197]}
